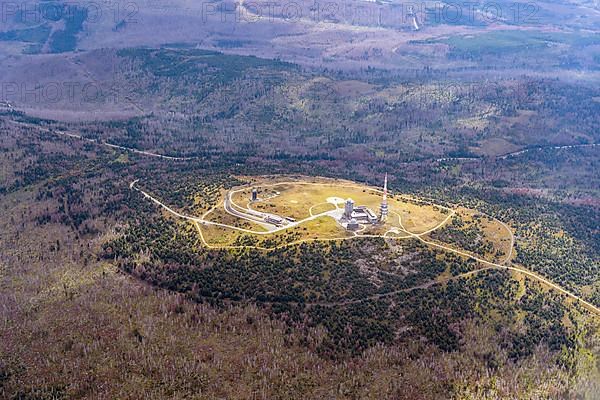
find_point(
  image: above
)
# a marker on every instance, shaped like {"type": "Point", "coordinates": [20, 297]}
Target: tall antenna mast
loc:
{"type": "Point", "coordinates": [383, 211]}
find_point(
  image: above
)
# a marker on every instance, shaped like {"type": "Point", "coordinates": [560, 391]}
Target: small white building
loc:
{"type": "Point", "coordinates": [352, 225]}
{"type": "Point", "coordinates": [272, 219]}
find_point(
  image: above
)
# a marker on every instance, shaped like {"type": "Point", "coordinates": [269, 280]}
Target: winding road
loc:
{"type": "Point", "coordinates": [419, 236]}
{"type": "Point", "coordinates": [179, 158]}
{"type": "Point", "coordinates": [106, 144]}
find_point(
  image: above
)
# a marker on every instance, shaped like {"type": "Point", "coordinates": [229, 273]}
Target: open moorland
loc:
{"type": "Point", "coordinates": [311, 209]}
